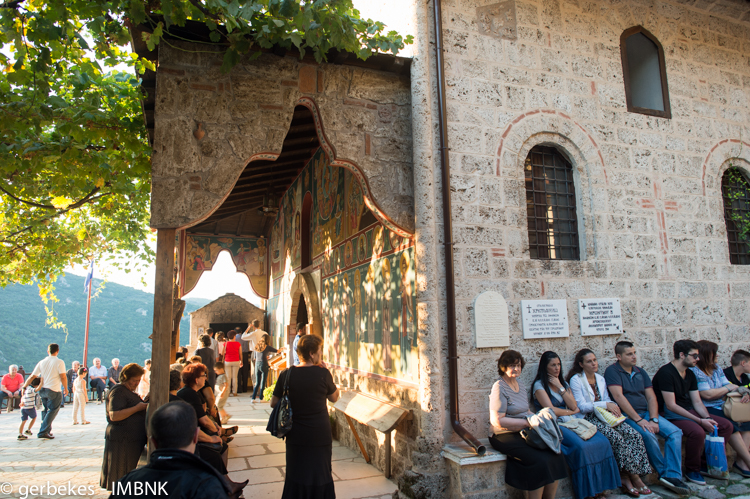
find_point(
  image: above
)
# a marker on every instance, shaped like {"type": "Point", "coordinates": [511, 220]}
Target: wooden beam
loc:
{"type": "Point", "coordinates": [356, 437]}
{"type": "Point", "coordinates": [162, 334]}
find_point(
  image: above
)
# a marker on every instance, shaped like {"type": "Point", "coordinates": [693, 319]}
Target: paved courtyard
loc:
{"type": "Point", "coordinates": [74, 458]}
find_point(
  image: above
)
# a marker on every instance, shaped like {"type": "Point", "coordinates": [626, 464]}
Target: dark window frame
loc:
{"type": "Point", "coordinates": [667, 113]}
{"type": "Point", "coordinates": [552, 179]}
{"type": "Point", "coordinates": [738, 250]}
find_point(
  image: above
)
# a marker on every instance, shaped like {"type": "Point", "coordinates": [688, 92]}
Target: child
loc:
{"type": "Point", "coordinates": [145, 385]}
{"type": "Point", "coordinates": [79, 396]}
{"type": "Point", "coordinates": [221, 389]}
{"type": "Point", "coordinates": [29, 404]}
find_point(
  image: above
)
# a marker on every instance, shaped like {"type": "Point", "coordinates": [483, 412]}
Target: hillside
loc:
{"type": "Point", "coordinates": [121, 321]}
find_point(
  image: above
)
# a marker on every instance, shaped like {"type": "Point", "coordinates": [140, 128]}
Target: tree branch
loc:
{"type": "Point", "coordinates": [205, 11]}
{"type": "Point", "coordinates": [30, 203]}
{"type": "Point", "coordinates": [11, 5]}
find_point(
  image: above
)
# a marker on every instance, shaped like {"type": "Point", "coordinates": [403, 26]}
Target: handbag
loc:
{"type": "Point", "coordinates": [280, 421]}
{"type": "Point", "coordinates": [602, 414]}
{"type": "Point", "coordinates": [716, 457]}
{"type": "Point", "coordinates": [736, 410]}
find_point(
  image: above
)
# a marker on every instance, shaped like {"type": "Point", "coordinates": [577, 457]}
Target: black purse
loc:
{"type": "Point", "coordinates": [280, 421]}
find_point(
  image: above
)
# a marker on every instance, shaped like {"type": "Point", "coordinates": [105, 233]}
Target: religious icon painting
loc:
{"type": "Point", "coordinates": [348, 254]}
{"type": "Point", "coordinates": [327, 264]}
{"type": "Point", "coordinates": [362, 247]}
{"type": "Point", "coordinates": [395, 240]}
{"type": "Point", "coordinates": [336, 260]}
{"type": "Point", "coordinates": [377, 241]}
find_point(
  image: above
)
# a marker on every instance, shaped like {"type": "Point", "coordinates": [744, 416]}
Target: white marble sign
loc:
{"type": "Point", "coordinates": [600, 316]}
{"type": "Point", "coordinates": [544, 319]}
{"type": "Point", "coordinates": [492, 328]}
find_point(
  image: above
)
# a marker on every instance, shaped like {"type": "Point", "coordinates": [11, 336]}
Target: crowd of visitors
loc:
{"type": "Point", "coordinates": [609, 426]}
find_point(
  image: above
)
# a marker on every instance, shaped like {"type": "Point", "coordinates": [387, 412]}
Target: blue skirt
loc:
{"type": "Point", "coordinates": [592, 464]}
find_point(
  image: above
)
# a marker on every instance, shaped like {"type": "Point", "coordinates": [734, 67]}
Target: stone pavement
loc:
{"type": "Point", "coordinates": [74, 458]}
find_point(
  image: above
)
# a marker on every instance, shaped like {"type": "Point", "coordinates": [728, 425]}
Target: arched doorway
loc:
{"type": "Point", "coordinates": [304, 304]}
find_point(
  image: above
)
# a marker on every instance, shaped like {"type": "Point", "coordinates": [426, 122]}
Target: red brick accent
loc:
{"type": "Point", "coordinates": [221, 87]}
{"type": "Point", "coordinates": [308, 79]}
{"type": "Point", "coordinates": [593, 88]}
{"type": "Point", "coordinates": [170, 71]}
{"type": "Point", "coordinates": [542, 283]}
{"type": "Point", "coordinates": [371, 106]}
{"type": "Point", "coordinates": [645, 203]}
{"type": "Point", "coordinates": [704, 99]}
{"type": "Point", "coordinates": [275, 107]}
{"type": "Point", "coordinates": [702, 81]}
{"type": "Point", "coordinates": [321, 85]}
{"type": "Point", "coordinates": [548, 111]}
{"type": "Point", "coordinates": [498, 252]}
{"type": "Point", "coordinates": [354, 102]}
{"type": "Point", "coordinates": [367, 144]}
{"type": "Point", "coordinates": [289, 83]}
{"type": "Point", "coordinates": [195, 179]}
{"type": "Point", "coordinates": [195, 187]}
{"type": "Point", "coordinates": [200, 86]}
{"type": "Point", "coordinates": [671, 205]}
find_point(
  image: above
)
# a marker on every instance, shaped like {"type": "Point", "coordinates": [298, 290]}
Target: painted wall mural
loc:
{"type": "Point", "coordinates": [367, 279]}
{"type": "Point", "coordinates": [248, 254]}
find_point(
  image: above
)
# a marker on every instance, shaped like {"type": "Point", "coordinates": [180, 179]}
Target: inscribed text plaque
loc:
{"type": "Point", "coordinates": [492, 328]}
{"type": "Point", "coordinates": [544, 319]}
{"type": "Point", "coordinates": [600, 316]}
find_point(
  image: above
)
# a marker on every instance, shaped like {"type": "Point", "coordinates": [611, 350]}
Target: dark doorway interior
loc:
{"type": "Point", "coordinates": [225, 327]}
{"type": "Point", "coordinates": [302, 311]}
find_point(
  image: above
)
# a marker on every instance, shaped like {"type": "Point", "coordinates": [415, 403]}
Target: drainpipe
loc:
{"type": "Point", "coordinates": [448, 238]}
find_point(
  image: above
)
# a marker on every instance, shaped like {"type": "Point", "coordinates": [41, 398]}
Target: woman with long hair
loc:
{"type": "Point", "coordinates": [536, 471]}
{"type": "Point", "coordinates": [593, 468]}
{"type": "Point", "coordinates": [713, 386]}
{"type": "Point", "coordinates": [590, 392]}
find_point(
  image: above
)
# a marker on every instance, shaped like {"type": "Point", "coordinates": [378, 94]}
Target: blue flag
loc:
{"type": "Point", "coordinates": [89, 276]}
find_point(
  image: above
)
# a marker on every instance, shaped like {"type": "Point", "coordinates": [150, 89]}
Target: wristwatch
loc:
{"type": "Point", "coordinates": [654, 420]}
{"type": "Point", "coordinates": [562, 390]}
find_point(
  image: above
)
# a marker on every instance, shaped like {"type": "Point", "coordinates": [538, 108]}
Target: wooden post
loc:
{"type": "Point", "coordinates": [387, 470]}
{"type": "Point", "coordinates": [162, 334]}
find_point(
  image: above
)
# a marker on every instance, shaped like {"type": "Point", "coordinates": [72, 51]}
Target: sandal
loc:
{"type": "Point", "coordinates": [228, 432]}
{"type": "Point", "coordinates": [632, 491]}
{"type": "Point", "coordinates": [86, 422]}
{"type": "Point", "coordinates": [644, 491]}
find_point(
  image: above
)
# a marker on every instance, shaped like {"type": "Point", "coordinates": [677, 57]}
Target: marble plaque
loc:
{"type": "Point", "coordinates": [600, 316]}
{"type": "Point", "coordinates": [544, 319]}
{"type": "Point", "coordinates": [498, 20]}
{"type": "Point", "coordinates": [492, 328]}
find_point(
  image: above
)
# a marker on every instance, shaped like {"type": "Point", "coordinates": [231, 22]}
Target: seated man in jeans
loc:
{"type": "Point", "coordinates": [630, 387]}
{"type": "Point", "coordinates": [680, 402]}
{"type": "Point", "coordinates": [98, 378]}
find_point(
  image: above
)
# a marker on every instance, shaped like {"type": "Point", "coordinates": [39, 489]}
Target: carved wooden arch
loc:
{"type": "Point", "coordinates": [304, 285]}
{"type": "Point", "coordinates": [330, 152]}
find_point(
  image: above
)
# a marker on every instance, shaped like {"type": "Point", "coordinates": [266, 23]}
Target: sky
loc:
{"type": "Point", "coordinates": [224, 278]}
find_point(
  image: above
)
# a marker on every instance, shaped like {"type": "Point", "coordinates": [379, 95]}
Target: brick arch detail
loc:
{"type": "Point", "coordinates": [717, 161]}
{"type": "Point", "coordinates": [304, 285]}
{"type": "Point", "coordinates": [551, 121]}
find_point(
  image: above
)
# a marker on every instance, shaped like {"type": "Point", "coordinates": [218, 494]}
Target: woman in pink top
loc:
{"type": "Point", "coordinates": [11, 386]}
{"type": "Point", "coordinates": [232, 362]}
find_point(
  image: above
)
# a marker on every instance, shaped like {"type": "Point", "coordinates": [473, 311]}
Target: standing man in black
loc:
{"type": "Point", "coordinates": [245, 369]}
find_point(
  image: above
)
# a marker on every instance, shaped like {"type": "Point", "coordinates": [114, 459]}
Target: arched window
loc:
{"type": "Point", "coordinates": [551, 205]}
{"type": "Point", "coordinates": [735, 190]}
{"type": "Point", "coordinates": [645, 73]}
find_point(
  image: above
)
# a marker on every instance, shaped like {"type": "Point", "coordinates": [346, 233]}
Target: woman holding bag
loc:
{"type": "Point", "coordinates": [590, 392]}
{"type": "Point", "coordinates": [593, 468]}
{"type": "Point", "coordinates": [533, 470]}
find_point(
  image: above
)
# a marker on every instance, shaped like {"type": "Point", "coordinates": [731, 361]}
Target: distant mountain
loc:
{"type": "Point", "coordinates": [121, 321]}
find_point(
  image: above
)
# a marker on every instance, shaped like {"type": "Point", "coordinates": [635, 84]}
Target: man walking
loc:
{"type": "Point", "coordinates": [252, 338]}
{"type": "Point", "coordinates": [631, 388]}
{"type": "Point", "coordinates": [52, 372]}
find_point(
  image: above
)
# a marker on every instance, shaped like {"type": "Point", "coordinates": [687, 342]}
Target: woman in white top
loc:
{"type": "Point", "coordinates": [590, 392]}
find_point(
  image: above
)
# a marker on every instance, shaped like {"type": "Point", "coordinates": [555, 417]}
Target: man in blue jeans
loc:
{"type": "Point", "coordinates": [630, 387]}
{"type": "Point", "coordinates": [54, 385]}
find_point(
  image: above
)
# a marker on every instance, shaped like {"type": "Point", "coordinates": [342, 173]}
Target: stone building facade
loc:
{"type": "Point", "coordinates": [520, 75]}
{"type": "Point", "coordinates": [229, 308]}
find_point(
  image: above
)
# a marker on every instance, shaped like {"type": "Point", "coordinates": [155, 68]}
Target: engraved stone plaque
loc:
{"type": "Point", "coordinates": [498, 20]}
{"type": "Point", "coordinates": [600, 316]}
{"type": "Point", "coordinates": [491, 320]}
{"type": "Point", "coordinates": [544, 319]}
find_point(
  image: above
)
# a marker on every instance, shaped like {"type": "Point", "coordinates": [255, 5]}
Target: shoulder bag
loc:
{"type": "Point", "coordinates": [280, 422]}
{"type": "Point", "coordinates": [736, 410]}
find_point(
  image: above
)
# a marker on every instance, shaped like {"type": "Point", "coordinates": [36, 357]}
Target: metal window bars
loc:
{"type": "Point", "coordinates": [735, 191]}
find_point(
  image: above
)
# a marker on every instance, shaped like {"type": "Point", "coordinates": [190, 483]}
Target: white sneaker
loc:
{"type": "Point", "coordinates": [252, 401]}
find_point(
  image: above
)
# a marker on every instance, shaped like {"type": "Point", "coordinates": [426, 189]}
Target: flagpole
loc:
{"type": "Point", "coordinates": [86, 339]}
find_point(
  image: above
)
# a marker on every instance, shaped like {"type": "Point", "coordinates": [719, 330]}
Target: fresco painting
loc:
{"type": "Point", "coordinates": [248, 255]}
{"type": "Point", "coordinates": [367, 291]}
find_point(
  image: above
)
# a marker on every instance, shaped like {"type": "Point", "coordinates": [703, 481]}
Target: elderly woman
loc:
{"type": "Point", "coordinates": [533, 470]}
{"type": "Point", "coordinates": [126, 432]}
{"type": "Point", "coordinates": [308, 443]}
{"type": "Point", "coordinates": [210, 444]}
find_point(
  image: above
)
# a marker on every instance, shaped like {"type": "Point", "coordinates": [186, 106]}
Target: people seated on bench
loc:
{"type": "Point", "coordinates": [534, 470]}
{"type": "Point", "coordinates": [630, 387]}
{"type": "Point", "coordinates": [713, 386]}
{"type": "Point", "coordinates": [173, 469]}
{"type": "Point", "coordinates": [737, 372]}
{"type": "Point", "coordinates": [592, 465]}
{"type": "Point", "coordinates": [113, 373]}
{"type": "Point", "coordinates": [590, 391]}
{"type": "Point", "coordinates": [680, 402]}
{"type": "Point", "coordinates": [98, 378]}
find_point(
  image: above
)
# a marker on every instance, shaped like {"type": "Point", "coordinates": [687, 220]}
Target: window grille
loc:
{"type": "Point", "coordinates": [551, 206]}
{"type": "Point", "coordinates": [736, 193]}
{"type": "Point", "coordinates": [644, 73]}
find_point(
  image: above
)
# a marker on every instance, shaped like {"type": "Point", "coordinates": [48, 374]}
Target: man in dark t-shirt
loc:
{"type": "Point", "coordinates": [737, 372]}
{"type": "Point", "coordinates": [680, 402]}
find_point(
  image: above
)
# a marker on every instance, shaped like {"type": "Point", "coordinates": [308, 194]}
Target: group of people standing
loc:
{"type": "Point", "coordinates": [627, 413]}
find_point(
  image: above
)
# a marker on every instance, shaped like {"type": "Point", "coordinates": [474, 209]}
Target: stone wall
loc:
{"type": "Point", "coordinates": [228, 308]}
{"type": "Point", "coordinates": [648, 189]}
{"type": "Point", "coordinates": [365, 115]}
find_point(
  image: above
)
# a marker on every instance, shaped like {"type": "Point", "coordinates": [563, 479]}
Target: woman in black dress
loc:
{"type": "Point", "coordinates": [126, 432]}
{"type": "Point", "coordinates": [309, 443]}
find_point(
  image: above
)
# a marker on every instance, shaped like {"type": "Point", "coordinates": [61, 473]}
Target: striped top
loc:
{"type": "Point", "coordinates": [30, 398]}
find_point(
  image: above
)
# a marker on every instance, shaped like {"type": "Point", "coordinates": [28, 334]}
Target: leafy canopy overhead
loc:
{"type": "Point", "coordinates": [74, 155]}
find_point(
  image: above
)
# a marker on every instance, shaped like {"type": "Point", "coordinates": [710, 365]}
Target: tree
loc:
{"type": "Point", "coordinates": [75, 172]}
